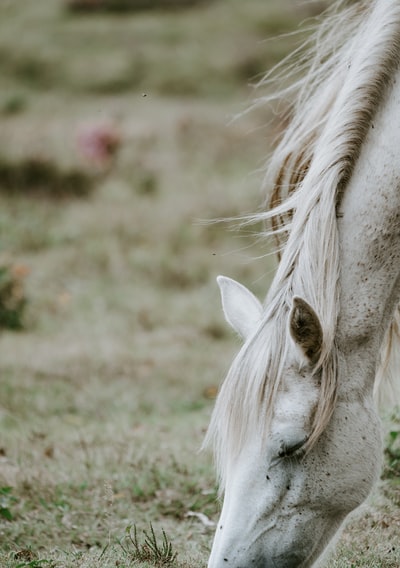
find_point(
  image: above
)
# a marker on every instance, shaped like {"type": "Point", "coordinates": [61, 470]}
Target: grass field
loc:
{"type": "Point", "coordinates": [106, 391]}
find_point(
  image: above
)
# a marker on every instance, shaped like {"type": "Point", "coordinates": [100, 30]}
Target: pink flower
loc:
{"type": "Point", "coordinates": [99, 143]}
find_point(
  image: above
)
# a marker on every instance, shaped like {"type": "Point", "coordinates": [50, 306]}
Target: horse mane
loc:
{"type": "Point", "coordinates": [349, 67]}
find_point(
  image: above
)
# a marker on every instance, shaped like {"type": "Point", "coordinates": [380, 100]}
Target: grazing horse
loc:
{"type": "Point", "coordinates": [295, 429]}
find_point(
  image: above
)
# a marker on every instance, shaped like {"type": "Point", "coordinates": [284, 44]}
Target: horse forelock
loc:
{"type": "Point", "coordinates": [355, 55]}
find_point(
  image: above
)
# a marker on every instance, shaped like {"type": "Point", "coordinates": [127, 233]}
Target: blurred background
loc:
{"type": "Point", "coordinates": [117, 142]}
{"type": "Point", "coordinates": [110, 101]}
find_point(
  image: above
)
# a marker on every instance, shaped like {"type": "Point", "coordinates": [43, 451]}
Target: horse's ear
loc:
{"type": "Point", "coordinates": [305, 329]}
{"type": "Point", "coordinates": [241, 308]}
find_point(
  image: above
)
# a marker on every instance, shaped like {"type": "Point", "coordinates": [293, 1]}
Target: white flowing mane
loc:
{"type": "Point", "coordinates": [355, 53]}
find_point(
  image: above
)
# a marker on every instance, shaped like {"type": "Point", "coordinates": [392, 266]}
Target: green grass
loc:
{"type": "Point", "coordinates": [106, 393]}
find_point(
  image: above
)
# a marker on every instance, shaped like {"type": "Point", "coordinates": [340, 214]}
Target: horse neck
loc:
{"type": "Point", "coordinates": [369, 227]}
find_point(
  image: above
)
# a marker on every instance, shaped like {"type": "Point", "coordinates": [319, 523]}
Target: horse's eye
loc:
{"type": "Point", "coordinates": [291, 450]}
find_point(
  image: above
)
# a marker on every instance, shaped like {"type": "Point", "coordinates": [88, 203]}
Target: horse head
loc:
{"type": "Point", "coordinates": [285, 499]}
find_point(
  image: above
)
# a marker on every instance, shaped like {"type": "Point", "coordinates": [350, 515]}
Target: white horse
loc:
{"type": "Point", "coordinates": [295, 428]}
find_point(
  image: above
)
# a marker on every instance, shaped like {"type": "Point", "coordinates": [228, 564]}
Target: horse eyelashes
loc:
{"type": "Point", "coordinates": [290, 451]}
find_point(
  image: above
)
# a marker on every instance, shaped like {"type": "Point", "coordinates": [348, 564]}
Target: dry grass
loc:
{"type": "Point", "coordinates": [106, 394]}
